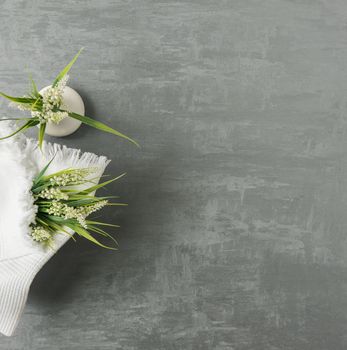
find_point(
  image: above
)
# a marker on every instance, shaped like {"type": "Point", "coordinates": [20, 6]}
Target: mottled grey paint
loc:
{"type": "Point", "coordinates": [235, 237]}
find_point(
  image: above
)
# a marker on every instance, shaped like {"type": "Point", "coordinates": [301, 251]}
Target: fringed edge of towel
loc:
{"type": "Point", "coordinates": [73, 157]}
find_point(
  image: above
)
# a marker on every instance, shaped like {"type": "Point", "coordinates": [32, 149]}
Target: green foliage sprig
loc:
{"type": "Point", "coordinates": [48, 107]}
{"type": "Point", "coordinates": [61, 205]}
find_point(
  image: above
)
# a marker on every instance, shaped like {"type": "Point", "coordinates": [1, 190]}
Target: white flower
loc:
{"type": "Point", "coordinates": [39, 234]}
{"type": "Point", "coordinates": [84, 211]}
{"type": "Point", "coordinates": [79, 213]}
{"type": "Point", "coordinates": [53, 96]}
{"type": "Point", "coordinates": [50, 116]}
{"type": "Point", "coordinates": [81, 220]}
{"type": "Point", "coordinates": [69, 212]}
{"type": "Point", "coordinates": [87, 210]}
{"type": "Point", "coordinates": [72, 177]}
{"type": "Point", "coordinates": [62, 83]}
{"type": "Point", "coordinates": [56, 208]}
{"type": "Point", "coordinates": [52, 99]}
{"type": "Point", "coordinates": [53, 193]}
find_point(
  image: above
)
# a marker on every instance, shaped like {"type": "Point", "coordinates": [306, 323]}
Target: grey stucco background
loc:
{"type": "Point", "coordinates": [235, 234]}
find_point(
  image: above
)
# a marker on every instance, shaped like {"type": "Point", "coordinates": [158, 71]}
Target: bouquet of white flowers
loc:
{"type": "Point", "coordinates": [61, 204]}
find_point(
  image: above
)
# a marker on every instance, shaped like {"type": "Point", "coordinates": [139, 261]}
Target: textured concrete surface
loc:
{"type": "Point", "coordinates": [235, 237]}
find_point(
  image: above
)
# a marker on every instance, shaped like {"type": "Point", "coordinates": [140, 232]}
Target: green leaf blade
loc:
{"type": "Point", "coordinates": [21, 100]}
{"type": "Point", "coordinates": [100, 126]}
{"type": "Point", "coordinates": [34, 90]}
{"type": "Point", "coordinates": [42, 172]}
{"type": "Point", "coordinates": [42, 134]}
{"type": "Point", "coordinates": [95, 187]}
{"type": "Point", "coordinates": [24, 127]}
{"type": "Point", "coordinates": [85, 234]}
{"type": "Point", "coordinates": [66, 69]}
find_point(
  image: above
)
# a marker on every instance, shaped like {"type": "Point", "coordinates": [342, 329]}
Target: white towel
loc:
{"type": "Point", "coordinates": [20, 257]}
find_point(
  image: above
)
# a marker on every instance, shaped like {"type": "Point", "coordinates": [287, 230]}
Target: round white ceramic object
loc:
{"type": "Point", "coordinates": [72, 102]}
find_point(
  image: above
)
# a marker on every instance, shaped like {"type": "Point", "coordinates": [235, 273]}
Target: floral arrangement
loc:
{"type": "Point", "coordinates": [45, 210]}
{"type": "Point", "coordinates": [62, 204]}
{"type": "Point", "coordinates": [48, 107]}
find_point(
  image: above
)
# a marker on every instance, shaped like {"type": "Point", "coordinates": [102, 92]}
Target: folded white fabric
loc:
{"type": "Point", "coordinates": [20, 257]}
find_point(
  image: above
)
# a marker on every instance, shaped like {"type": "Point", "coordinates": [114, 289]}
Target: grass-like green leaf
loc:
{"type": "Point", "coordinates": [22, 100]}
{"type": "Point", "coordinates": [41, 134]}
{"type": "Point", "coordinates": [102, 232]}
{"type": "Point", "coordinates": [84, 233]}
{"type": "Point", "coordinates": [57, 227]}
{"type": "Point", "coordinates": [37, 105]}
{"type": "Point", "coordinates": [34, 90]}
{"type": "Point", "coordinates": [16, 119]}
{"type": "Point", "coordinates": [42, 172]}
{"type": "Point", "coordinates": [91, 222]}
{"type": "Point", "coordinates": [83, 202]}
{"type": "Point", "coordinates": [71, 206]}
{"type": "Point", "coordinates": [101, 126]}
{"type": "Point", "coordinates": [30, 123]}
{"type": "Point", "coordinates": [66, 69]}
{"type": "Point", "coordinates": [94, 188]}
{"type": "Point", "coordinates": [65, 171]}
{"type": "Point", "coordinates": [40, 188]}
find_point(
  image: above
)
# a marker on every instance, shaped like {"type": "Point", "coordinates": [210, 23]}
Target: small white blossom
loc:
{"type": "Point", "coordinates": [79, 213]}
{"type": "Point", "coordinates": [39, 234]}
{"type": "Point", "coordinates": [62, 83]}
{"type": "Point", "coordinates": [82, 221]}
{"type": "Point", "coordinates": [70, 212]}
{"type": "Point", "coordinates": [56, 208]}
{"type": "Point", "coordinates": [53, 193]}
{"type": "Point", "coordinates": [50, 116]}
{"type": "Point", "coordinates": [87, 210]}
{"type": "Point", "coordinates": [73, 177]}
{"type": "Point", "coordinates": [52, 99]}
{"type": "Point", "coordinates": [53, 96]}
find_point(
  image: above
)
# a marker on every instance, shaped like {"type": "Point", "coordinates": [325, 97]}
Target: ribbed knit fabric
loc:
{"type": "Point", "coordinates": [16, 276]}
{"type": "Point", "coordinates": [20, 257]}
